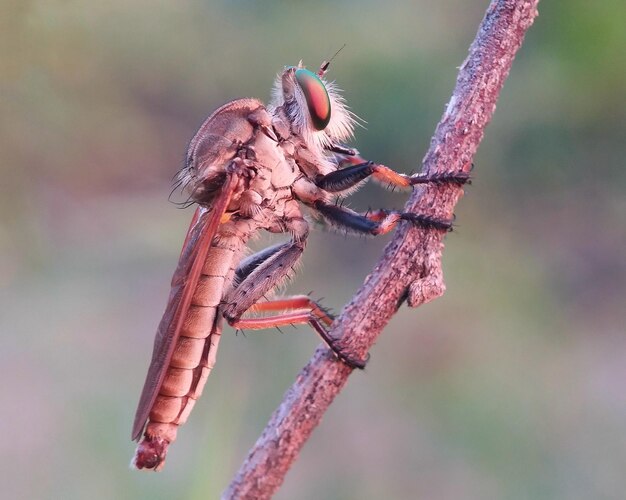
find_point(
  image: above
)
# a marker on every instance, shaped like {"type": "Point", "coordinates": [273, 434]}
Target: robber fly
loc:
{"type": "Point", "coordinates": [249, 167]}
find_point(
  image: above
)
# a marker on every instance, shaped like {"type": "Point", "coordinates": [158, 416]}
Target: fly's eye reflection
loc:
{"type": "Point", "coordinates": [316, 96]}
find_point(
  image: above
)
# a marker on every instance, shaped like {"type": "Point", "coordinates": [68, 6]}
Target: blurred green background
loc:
{"type": "Point", "coordinates": [511, 386]}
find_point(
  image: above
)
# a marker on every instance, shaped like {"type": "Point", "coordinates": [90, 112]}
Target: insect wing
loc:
{"type": "Point", "coordinates": [193, 255]}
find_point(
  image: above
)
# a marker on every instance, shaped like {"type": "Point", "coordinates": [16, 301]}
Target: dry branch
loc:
{"type": "Point", "coordinates": [410, 268]}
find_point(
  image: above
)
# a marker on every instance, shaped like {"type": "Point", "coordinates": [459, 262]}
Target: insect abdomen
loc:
{"type": "Point", "coordinates": [192, 360]}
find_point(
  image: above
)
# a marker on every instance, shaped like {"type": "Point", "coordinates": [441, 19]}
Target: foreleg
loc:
{"type": "Point", "coordinates": [350, 176]}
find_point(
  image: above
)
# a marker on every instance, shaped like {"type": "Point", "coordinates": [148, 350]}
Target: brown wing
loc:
{"type": "Point", "coordinates": [199, 236]}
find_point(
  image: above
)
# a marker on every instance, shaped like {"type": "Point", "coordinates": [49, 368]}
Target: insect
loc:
{"type": "Point", "coordinates": [250, 167]}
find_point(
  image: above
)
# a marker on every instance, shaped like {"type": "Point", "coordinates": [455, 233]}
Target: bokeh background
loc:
{"type": "Point", "coordinates": [513, 385]}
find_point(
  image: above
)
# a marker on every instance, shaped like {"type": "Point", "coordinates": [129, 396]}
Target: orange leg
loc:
{"type": "Point", "coordinates": [303, 310]}
{"type": "Point", "coordinates": [377, 222]}
{"type": "Point", "coordinates": [356, 169]}
{"type": "Point", "coordinates": [295, 302]}
{"type": "Point", "coordinates": [386, 175]}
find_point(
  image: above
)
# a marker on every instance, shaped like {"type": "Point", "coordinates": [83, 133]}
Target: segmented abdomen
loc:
{"type": "Point", "coordinates": [193, 356]}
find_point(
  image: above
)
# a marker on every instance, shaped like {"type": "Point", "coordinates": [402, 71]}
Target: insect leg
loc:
{"type": "Point", "coordinates": [378, 222]}
{"type": "Point", "coordinates": [303, 310]}
{"type": "Point", "coordinates": [350, 176]}
{"type": "Point", "coordinates": [260, 280]}
{"type": "Point", "coordinates": [342, 150]}
{"type": "Point", "coordinates": [263, 271]}
{"type": "Point", "coordinates": [250, 263]}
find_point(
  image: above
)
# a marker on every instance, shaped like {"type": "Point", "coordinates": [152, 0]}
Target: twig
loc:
{"type": "Point", "coordinates": [410, 268]}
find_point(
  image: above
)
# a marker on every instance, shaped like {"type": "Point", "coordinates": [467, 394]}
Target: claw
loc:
{"type": "Point", "coordinates": [352, 362]}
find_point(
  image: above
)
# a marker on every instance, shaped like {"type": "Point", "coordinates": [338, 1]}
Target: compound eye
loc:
{"type": "Point", "coordinates": [316, 97]}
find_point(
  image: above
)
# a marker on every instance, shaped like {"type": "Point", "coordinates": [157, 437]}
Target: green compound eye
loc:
{"type": "Point", "coordinates": [316, 97]}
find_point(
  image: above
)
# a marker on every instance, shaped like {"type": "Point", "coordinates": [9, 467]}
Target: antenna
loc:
{"type": "Point", "coordinates": [324, 67]}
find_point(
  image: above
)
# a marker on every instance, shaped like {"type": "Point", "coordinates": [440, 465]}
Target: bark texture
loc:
{"type": "Point", "coordinates": [410, 268]}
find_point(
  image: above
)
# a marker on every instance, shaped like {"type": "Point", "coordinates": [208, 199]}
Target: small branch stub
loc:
{"type": "Point", "coordinates": [426, 289]}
